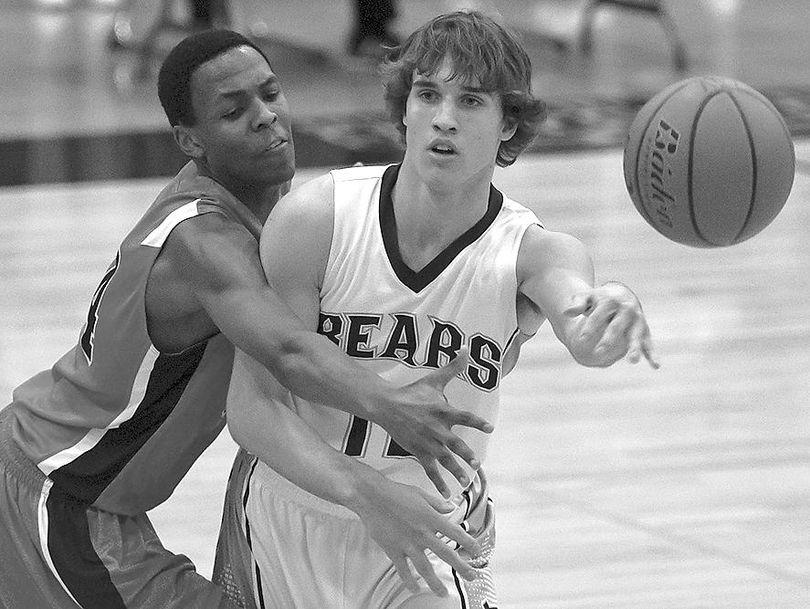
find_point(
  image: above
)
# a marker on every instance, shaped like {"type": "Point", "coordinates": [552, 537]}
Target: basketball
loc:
{"type": "Point", "coordinates": [709, 162]}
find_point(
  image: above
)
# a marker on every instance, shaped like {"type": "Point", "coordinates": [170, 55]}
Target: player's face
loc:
{"type": "Point", "coordinates": [243, 120]}
{"type": "Point", "coordinates": [454, 128]}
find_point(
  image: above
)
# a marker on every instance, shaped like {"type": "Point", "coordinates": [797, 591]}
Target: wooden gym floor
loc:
{"type": "Point", "coordinates": [627, 488]}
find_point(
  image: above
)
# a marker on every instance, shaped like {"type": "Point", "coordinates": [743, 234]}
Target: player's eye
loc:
{"type": "Point", "coordinates": [232, 113]}
{"type": "Point", "coordinates": [427, 95]}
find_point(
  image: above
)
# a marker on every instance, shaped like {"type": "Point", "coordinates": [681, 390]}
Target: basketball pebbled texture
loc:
{"type": "Point", "coordinates": [709, 162]}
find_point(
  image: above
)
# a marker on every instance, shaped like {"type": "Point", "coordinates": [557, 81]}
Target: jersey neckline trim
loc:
{"type": "Point", "coordinates": [416, 281]}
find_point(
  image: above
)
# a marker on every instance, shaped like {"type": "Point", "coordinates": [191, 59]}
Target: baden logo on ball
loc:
{"type": "Point", "coordinates": [709, 162]}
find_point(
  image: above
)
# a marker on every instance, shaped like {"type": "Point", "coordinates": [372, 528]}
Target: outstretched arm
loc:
{"type": "Point", "coordinates": [598, 325]}
{"type": "Point", "coordinates": [403, 520]}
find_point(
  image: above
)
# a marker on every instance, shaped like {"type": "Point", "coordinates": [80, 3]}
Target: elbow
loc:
{"type": "Point", "coordinates": [283, 358]}
{"type": "Point", "coordinates": [289, 358]}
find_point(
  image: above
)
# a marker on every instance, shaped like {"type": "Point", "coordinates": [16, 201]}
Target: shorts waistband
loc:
{"type": "Point", "coordinates": [469, 503]}
{"type": "Point", "coordinates": [14, 459]}
{"type": "Point", "coordinates": [267, 477]}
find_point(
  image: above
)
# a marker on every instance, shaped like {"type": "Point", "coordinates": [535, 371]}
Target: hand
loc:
{"type": "Point", "coordinates": [613, 326]}
{"type": "Point", "coordinates": [405, 522]}
{"type": "Point", "coordinates": [419, 419]}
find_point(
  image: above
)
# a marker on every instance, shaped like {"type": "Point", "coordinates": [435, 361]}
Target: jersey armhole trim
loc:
{"type": "Point", "coordinates": [158, 236]}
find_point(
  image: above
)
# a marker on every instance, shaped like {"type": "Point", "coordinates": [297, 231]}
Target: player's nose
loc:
{"type": "Point", "coordinates": [445, 119]}
{"type": "Point", "coordinates": [264, 116]}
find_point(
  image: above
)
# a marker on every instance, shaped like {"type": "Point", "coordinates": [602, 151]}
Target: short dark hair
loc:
{"type": "Point", "coordinates": [480, 49]}
{"type": "Point", "coordinates": [175, 74]}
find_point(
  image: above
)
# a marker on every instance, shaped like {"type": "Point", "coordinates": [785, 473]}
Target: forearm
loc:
{"type": "Point", "coordinates": [303, 361]}
{"type": "Point", "coordinates": [286, 443]}
{"type": "Point", "coordinates": [314, 368]}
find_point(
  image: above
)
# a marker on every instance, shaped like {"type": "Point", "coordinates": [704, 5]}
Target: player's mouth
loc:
{"type": "Point", "coordinates": [442, 148]}
{"type": "Point", "coordinates": [276, 144]}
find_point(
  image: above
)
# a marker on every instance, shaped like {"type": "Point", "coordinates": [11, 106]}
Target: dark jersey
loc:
{"type": "Point", "coordinates": [116, 423]}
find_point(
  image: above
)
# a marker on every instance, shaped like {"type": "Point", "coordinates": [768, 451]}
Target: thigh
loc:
{"type": "Point", "coordinates": [141, 572]}
{"type": "Point", "coordinates": [62, 554]}
{"type": "Point", "coordinates": [58, 553]}
{"type": "Point", "coordinates": [298, 549]}
{"type": "Point", "coordinates": [25, 577]}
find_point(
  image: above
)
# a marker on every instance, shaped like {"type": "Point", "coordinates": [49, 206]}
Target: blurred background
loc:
{"type": "Point", "coordinates": [687, 487]}
{"type": "Point", "coordinates": [78, 96]}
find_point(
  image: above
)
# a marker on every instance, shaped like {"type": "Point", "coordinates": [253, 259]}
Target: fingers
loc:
{"type": "Point", "coordinates": [432, 470]}
{"type": "Point", "coordinates": [646, 350]}
{"type": "Point", "coordinates": [404, 572]}
{"type": "Point", "coordinates": [451, 531]}
{"type": "Point", "coordinates": [614, 329]}
{"type": "Point", "coordinates": [454, 446]}
{"type": "Point", "coordinates": [466, 418]}
{"type": "Point", "coordinates": [641, 346]}
{"type": "Point", "coordinates": [452, 465]}
{"type": "Point", "coordinates": [581, 304]}
{"type": "Point", "coordinates": [425, 569]}
{"type": "Point", "coordinates": [627, 326]}
{"type": "Point", "coordinates": [614, 325]}
{"type": "Point", "coordinates": [452, 558]}
{"type": "Point", "coordinates": [443, 506]}
{"type": "Point", "coordinates": [462, 449]}
{"type": "Point", "coordinates": [455, 533]}
{"type": "Point", "coordinates": [441, 376]}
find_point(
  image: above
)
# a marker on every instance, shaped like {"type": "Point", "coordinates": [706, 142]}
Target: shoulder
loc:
{"type": "Point", "coordinates": [359, 172]}
{"type": "Point", "coordinates": [209, 229]}
{"type": "Point", "coordinates": [311, 199]}
{"type": "Point", "coordinates": [209, 249]}
{"type": "Point", "coordinates": [305, 212]}
{"type": "Point", "coordinates": [298, 232]}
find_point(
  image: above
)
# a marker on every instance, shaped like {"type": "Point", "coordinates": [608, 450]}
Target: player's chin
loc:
{"type": "Point", "coordinates": [277, 167]}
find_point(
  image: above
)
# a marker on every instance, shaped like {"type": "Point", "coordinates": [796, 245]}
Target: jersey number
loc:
{"type": "Point", "coordinates": [88, 333]}
{"type": "Point", "coordinates": [357, 439]}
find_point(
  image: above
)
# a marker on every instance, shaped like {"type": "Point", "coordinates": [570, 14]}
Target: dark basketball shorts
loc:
{"type": "Point", "coordinates": [58, 553]}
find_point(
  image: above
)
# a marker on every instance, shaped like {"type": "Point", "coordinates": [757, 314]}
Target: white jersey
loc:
{"type": "Point", "coordinates": [403, 323]}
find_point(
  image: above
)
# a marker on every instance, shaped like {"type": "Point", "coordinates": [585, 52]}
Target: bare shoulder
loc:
{"type": "Point", "coordinates": [207, 247]}
{"type": "Point", "coordinates": [311, 200]}
{"type": "Point", "coordinates": [298, 233]}
{"type": "Point", "coordinates": [202, 257]}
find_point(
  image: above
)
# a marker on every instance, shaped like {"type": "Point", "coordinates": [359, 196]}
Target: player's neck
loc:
{"type": "Point", "coordinates": [430, 217]}
{"type": "Point", "coordinates": [262, 201]}
{"type": "Point", "coordinates": [259, 199]}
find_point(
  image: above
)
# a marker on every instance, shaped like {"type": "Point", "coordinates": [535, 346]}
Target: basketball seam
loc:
{"type": "Point", "coordinates": [689, 167]}
{"type": "Point", "coordinates": [636, 180]}
{"type": "Point", "coordinates": [754, 176]}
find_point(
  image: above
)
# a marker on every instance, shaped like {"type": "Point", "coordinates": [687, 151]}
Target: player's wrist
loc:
{"type": "Point", "coordinates": [358, 487]}
{"type": "Point", "coordinates": [378, 401]}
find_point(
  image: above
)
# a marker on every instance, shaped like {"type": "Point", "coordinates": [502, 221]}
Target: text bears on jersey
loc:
{"type": "Point", "coordinates": [396, 336]}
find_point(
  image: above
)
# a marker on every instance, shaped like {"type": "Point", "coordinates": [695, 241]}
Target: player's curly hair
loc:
{"type": "Point", "coordinates": [481, 50]}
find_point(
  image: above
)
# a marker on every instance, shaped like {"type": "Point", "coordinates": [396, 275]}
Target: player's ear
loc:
{"type": "Point", "coordinates": [188, 141]}
{"type": "Point", "coordinates": [508, 128]}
